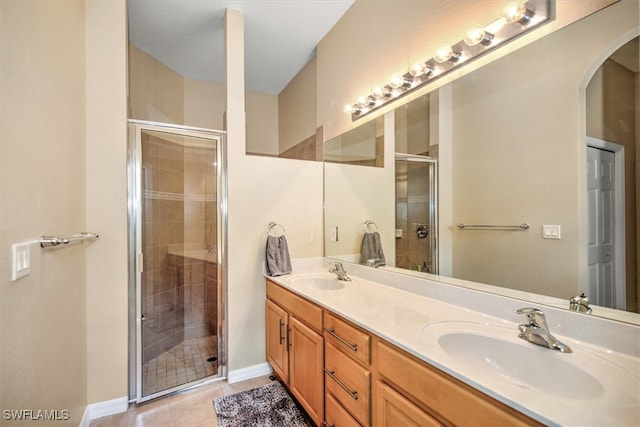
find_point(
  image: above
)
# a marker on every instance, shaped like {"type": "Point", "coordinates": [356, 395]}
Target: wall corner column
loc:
{"type": "Point", "coordinates": [235, 125]}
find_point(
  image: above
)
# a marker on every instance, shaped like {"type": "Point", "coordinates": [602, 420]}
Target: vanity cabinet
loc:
{"type": "Point", "coordinates": [411, 392]}
{"type": "Point", "coordinates": [345, 376]}
{"type": "Point", "coordinates": [295, 347]}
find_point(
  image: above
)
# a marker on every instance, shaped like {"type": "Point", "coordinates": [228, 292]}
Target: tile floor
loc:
{"type": "Point", "coordinates": [181, 364]}
{"type": "Point", "coordinates": [193, 408]}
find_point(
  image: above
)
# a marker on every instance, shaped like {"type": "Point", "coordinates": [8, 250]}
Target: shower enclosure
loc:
{"type": "Point", "coordinates": [176, 234]}
{"type": "Point", "coordinates": [416, 212]}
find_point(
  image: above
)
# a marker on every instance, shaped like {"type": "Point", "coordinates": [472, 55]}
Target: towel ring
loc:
{"type": "Point", "coordinates": [368, 224]}
{"type": "Point", "coordinates": [275, 224]}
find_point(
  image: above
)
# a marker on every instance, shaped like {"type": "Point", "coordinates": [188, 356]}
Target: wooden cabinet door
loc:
{"type": "Point", "coordinates": [277, 354]}
{"type": "Point", "coordinates": [306, 363]}
{"type": "Point", "coordinates": [394, 410]}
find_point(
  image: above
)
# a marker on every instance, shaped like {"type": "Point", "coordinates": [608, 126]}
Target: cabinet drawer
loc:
{"type": "Point", "coordinates": [335, 415]}
{"type": "Point", "coordinates": [444, 394]}
{"type": "Point", "coordinates": [348, 382]}
{"type": "Point", "coordinates": [304, 310]}
{"type": "Point", "coordinates": [347, 337]}
{"type": "Point", "coordinates": [393, 410]}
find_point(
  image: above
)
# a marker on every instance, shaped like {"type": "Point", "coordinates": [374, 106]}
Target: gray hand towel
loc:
{"type": "Point", "coordinates": [372, 249]}
{"type": "Point", "coordinates": [277, 256]}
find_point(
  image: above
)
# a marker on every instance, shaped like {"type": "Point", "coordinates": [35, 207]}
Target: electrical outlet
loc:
{"type": "Point", "coordinates": [21, 265]}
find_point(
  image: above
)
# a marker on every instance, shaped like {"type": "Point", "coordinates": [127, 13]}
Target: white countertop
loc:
{"type": "Point", "coordinates": [406, 318]}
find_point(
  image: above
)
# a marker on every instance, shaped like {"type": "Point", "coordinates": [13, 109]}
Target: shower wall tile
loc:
{"type": "Point", "coordinates": [194, 183]}
{"type": "Point", "coordinates": [194, 211]}
{"type": "Point", "coordinates": [162, 224]}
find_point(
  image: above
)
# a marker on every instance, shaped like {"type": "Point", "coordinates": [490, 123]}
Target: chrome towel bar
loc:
{"type": "Point", "coordinates": [523, 226]}
{"type": "Point", "coordinates": [50, 241]}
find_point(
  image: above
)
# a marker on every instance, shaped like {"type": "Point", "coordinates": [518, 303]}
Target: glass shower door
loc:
{"type": "Point", "coordinates": [178, 291]}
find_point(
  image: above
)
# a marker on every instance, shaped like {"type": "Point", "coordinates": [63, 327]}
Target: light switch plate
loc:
{"type": "Point", "coordinates": [551, 232]}
{"type": "Point", "coordinates": [334, 233]}
{"type": "Point", "coordinates": [21, 264]}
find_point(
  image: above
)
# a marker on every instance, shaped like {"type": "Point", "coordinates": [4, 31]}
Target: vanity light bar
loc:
{"type": "Point", "coordinates": [516, 19]}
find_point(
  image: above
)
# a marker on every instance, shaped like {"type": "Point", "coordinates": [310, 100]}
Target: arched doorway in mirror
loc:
{"type": "Point", "coordinates": [613, 180]}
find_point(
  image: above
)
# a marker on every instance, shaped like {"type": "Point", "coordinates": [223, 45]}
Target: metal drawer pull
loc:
{"type": "Point", "coordinates": [332, 331]}
{"type": "Point", "coordinates": [280, 330]}
{"type": "Point", "coordinates": [353, 394]}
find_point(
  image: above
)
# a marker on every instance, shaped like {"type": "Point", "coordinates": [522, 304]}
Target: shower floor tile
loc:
{"type": "Point", "coordinates": [183, 363]}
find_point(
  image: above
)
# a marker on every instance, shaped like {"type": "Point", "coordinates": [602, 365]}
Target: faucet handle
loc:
{"type": "Point", "coordinates": [337, 267]}
{"type": "Point", "coordinates": [536, 316]}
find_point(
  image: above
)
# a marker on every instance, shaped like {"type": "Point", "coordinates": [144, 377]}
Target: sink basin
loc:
{"type": "Point", "coordinates": [492, 353]}
{"type": "Point", "coordinates": [522, 365]}
{"type": "Point", "coordinates": [318, 282]}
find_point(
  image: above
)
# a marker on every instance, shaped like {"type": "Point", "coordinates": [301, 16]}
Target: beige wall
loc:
{"type": "Point", "coordinates": [106, 201]}
{"type": "Point", "coordinates": [262, 122]}
{"type": "Point", "coordinates": [43, 323]}
{"type": "Point", "coordinates": [155, 90]}
{"type": "Point", "coordinates": [203, 104]}
{"type": "Point", "coordinates": [526, 166]}
{"type": "Point", "coordinates": [297, 108]}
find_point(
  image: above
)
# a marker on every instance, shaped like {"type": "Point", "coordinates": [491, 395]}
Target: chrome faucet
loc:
{"type": "Point", "coordinates": [373, 262]}
{"type": "Point", "coordinates": [580, 303]}
{"type": "Point", "coordinates": [537, 331]}
{"type": "Point", "coordinates": [340, 272]}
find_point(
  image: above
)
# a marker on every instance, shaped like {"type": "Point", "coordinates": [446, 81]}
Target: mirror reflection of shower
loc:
{"type": "Point", "coordinates": [416, 200]}
{"type": "Point", "coordinates": [416, 213]}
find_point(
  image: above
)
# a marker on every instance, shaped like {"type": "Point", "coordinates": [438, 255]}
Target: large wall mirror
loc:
{"type": "Point", "coordinates": [546, 136]}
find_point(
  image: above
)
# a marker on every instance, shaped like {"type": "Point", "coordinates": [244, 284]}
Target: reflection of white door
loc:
{"type": "Point", "coordinates": [600, 189]}
{"type": "Point", "coordinates": [606, 178]}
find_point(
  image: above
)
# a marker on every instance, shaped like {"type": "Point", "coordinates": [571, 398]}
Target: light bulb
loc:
{"type": "Point", "coordinates": [517, 12]}
{"type": "Point", "coordinates": [418, 69]}
{"type": "Point", "coordinates": [396, 81]}
{"type": "Point", "coordinates": [350, 109]}
{"type": "Point", "coordinates": [378, 92]}
{"type": "Point", "coordinates": [476, 36]}
{"type": "Point", "coordinates": [446, 53]}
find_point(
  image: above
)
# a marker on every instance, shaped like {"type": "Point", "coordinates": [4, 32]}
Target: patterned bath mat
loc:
{"type": "Point", "coordinates": [266, 406]}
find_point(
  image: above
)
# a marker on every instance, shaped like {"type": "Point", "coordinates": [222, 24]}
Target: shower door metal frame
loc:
{"type": "Point", "coordinates": [134, 171]}
{"type": "Point", "coordinates": [433, 202]}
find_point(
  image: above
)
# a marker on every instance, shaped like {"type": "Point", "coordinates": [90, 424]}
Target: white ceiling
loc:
{"type": "Point", "coordinates": [280, 36]}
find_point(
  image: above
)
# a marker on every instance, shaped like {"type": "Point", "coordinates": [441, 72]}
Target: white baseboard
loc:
{"type": "Point", "coordinates": [104, 409]}
{"type": "Point", "coordinates": [248, 373]}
